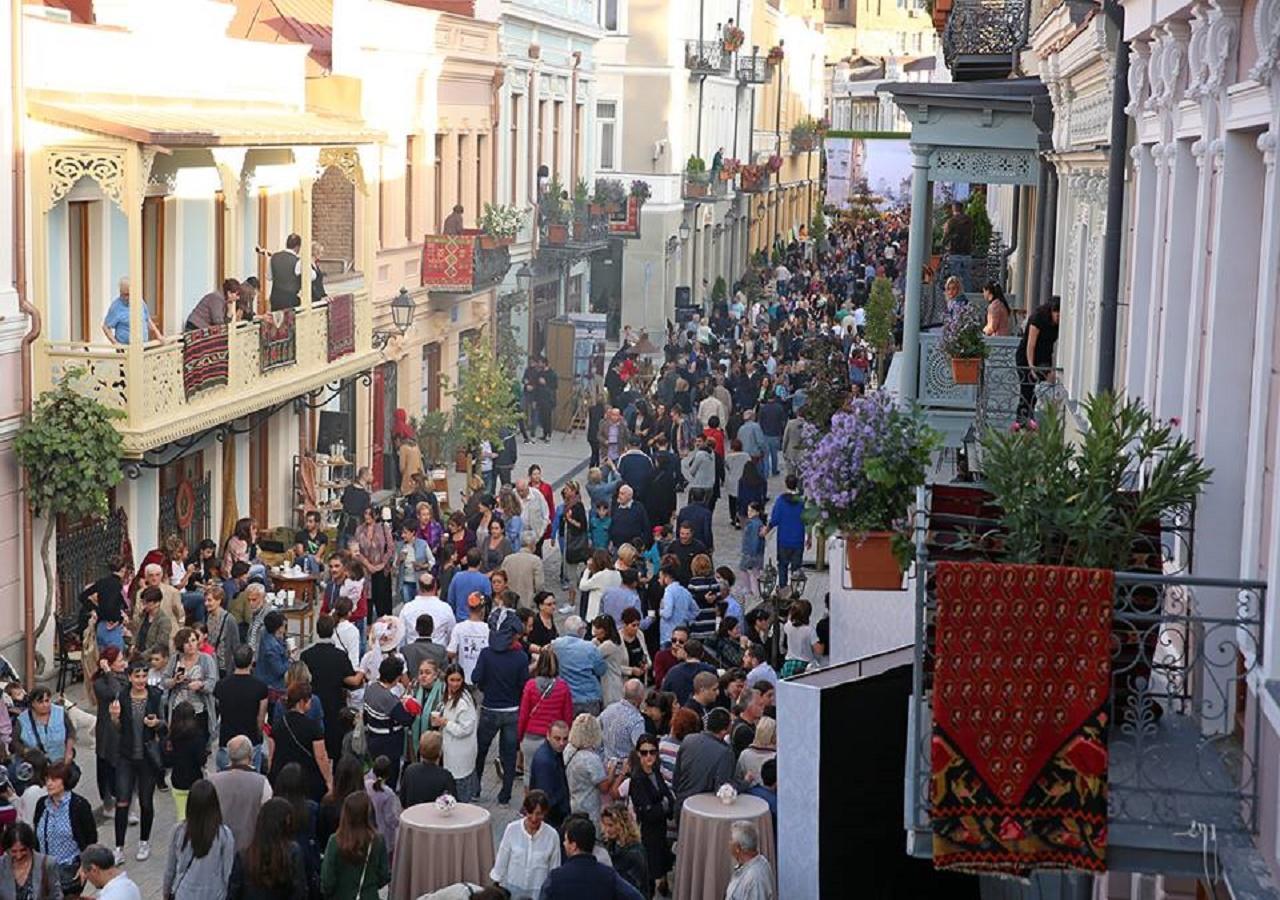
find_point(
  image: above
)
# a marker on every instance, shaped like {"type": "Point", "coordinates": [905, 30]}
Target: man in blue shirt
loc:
{"type": "Point", "coordinates": [624, 596]}
{"type": "Point", "coordinates": [116, 323]}
{"type": "Point", "coordinates": [787, 519]}
{"type": "Point", "coordinates": [678, 606]}
{"type": "Point", "coordinates": [466, 581]}
{"type": "Point", "coordinates": [581, 666]}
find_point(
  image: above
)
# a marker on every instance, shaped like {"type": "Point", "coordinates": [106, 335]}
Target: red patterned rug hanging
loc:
{"type": "Point", "coordinates": [342, 326]}
{"type": "Point", "coordinates": [204, 359]}
{"type": "Point", "coordinates": [1019, 756]}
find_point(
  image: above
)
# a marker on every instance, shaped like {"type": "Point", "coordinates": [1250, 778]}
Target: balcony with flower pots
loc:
{"type": "Point", "coordinates": [755, 68]}
{"type": "Point", "coordinates": [704, 58]}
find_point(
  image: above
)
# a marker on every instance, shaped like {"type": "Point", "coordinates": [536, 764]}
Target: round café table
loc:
{"type": "Point", "coordinates": [435, 851]}
{"type": "Point", "coordinates": [703, 863]}
{"type": "Point", "coordinates": [299, 614]}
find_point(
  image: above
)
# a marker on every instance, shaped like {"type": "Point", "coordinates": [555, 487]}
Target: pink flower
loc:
{"type": "Point", "coordinates": [1033, 425]}
{"type": "Point", "coordinates": [1174, 421]}
{"type": "Point", "coordinates": [1015, 427]}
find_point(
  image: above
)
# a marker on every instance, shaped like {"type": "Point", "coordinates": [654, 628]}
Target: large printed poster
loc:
{"type": "Point", "coordinates": [880, 166]}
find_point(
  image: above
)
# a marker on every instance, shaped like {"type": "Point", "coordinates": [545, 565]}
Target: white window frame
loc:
{"type": "Point", "coordinates": [616, 144]}
{"type": "Point", "coordinates": [621, 26]}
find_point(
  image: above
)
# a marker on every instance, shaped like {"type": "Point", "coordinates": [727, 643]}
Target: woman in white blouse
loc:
{"type": "Point", "coordinates": [457, 721]}
{"type": "Point", "coordinates": [598, 578]}
{"type": "Point", "coordinates": [530, 849]}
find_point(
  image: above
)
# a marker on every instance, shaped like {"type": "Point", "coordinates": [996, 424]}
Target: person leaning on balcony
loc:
{"type": "Point", "coordinates": [318, 292]}
{"type": "Point", "coordinates": [215, 307]}
{"type": "Point", "coordinates": [453, 221]}
{"type": "Point", "coordinates": [116, 323]}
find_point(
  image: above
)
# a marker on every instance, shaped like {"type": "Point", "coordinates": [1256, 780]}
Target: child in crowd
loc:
{"type": "Point", "coordinates": [600, 524]}
{"type": "Point", "coordinates": [752, 559]}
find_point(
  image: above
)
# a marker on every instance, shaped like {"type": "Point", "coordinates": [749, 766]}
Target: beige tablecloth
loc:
{"type": "Point", "coordinates": [435, 851]}
{"type": "Point", "coordinates": [703, 863]}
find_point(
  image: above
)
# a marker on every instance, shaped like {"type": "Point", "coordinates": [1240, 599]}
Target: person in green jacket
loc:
{"type": "Point", "coordinates": [355, 865]}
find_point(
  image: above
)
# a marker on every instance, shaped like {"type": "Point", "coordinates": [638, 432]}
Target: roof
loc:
{"type": "Point", "coordinates": [206, 126]}
{"type": "Point", "coordinates": [290, 21]}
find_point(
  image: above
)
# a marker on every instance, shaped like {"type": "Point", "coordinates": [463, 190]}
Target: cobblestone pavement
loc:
{"type": "Point", "coordinates": [564, 457]}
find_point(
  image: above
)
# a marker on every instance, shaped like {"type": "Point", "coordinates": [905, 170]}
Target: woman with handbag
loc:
{"type": "Point", "coordinates": [355, 864]}
{"type": "Point", "coordinates": [47, 727]}
{"type": "Point", "coordinates": [546, 699]}
{"type": "Point", "coordinates": [64, 826]}
{"type": "Point", "coordinates": [202, 852]}
{"type": "Point", "coordinates": [138, 718]}
{"type": "Point", "coordinates": [575, 532]}
{"type": "Point", "coordinates": [24, 872]}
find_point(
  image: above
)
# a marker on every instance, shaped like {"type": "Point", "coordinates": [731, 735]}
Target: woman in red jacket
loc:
{"type": "Point", "coordinates": [546, 700]}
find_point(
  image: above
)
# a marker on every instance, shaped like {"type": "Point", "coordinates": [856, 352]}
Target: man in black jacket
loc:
{"type": "Point", "coordinates": [629, 518]}
{"type": "Point", "coordinates": [426, 779]}
{"type": "Point", "coordinates": [582, 875]}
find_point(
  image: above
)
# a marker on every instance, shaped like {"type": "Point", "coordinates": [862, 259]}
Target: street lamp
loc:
{"type": "Point", "coordinates": [402, 309]}
{"type": "Point", "coordinates": [684, 230]}
{"type": "Point", "coordinates": [524, 278]}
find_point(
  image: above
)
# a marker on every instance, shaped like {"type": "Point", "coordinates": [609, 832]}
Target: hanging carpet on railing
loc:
{"type": "Point", "coordinates": [1019, 754]}
{"type": "Point", "coordinates": [277, 339]}
{"type": "Point", "coordinates": [204, 359]}
{"type": "Point", "coordinates": [342, 326]}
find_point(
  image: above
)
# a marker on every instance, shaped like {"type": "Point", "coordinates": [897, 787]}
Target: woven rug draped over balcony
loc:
{"type": "Point", "coordinates": [205, 359]}
{"type": "Point", "coordinates": [341, 337]}
{"type": "Point", "coordinates": [1019, 755]}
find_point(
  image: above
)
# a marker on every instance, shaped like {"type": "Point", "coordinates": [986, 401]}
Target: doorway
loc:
{"type": "Point", "coordinates": [260, 474]}
{"type": "Point", "coordinates": [431, 377]}
{"type": "Point", "coordinates": [384, 406]}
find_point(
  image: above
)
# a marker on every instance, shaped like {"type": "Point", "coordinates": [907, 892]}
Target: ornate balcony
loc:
{"type": "Point", "coordinates": [754, 179]}
{"type": "Point", "coordinates": [701, 187]}
{"type": "Point", "coordinates": [755, 69]}
{"type": "Point", "coordinates": [463, 263]}
{"type": "Point", "coordinates": [182, 393]}
{"type": "Point", "coordinates": [983, 37]}
{"type": "Point", "coordinates": [707, 58]}
{"type": "Point", "coordinates": [626, 222]}
{"type": "Point", "coordinates": [584, 233]}
{"type": "Point", "coordinates": [1182, 746]}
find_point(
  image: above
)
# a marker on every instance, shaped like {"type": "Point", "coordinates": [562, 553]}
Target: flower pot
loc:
{"type": "Point", "coordinates": [965, 371]}
{"type": "Point", "coordinates": [462, 462]}
{"type": "Point", "coordinates": [579, 231]}
{"type": "Point", "coordinates": [872, 565]}
{"type": "Point", "coordinates": [489, 242]}
{"type": "Point", "coordinates": [557, 234]}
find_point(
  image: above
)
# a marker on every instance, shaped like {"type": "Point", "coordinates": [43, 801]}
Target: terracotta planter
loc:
{"type": "Point", "coordinates": [489, 242]}
{"type": "Point", "coordinates": [557, 234]}
{"type": "Point", "coordinates": [579, 231]}
{"type": "Point", "coordinates": [462, 462]}
{"type": "Point", "coordinates": [872, 565]}
{"type": "Point", "coordinates": [965, 371]}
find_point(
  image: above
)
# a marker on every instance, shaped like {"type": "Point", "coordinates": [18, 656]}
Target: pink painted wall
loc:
{"type": "Point", "coordinates": [1268, 784]}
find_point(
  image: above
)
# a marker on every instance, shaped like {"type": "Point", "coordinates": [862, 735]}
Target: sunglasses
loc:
{"type": "Point", "coordinates": [647, 752]}
{"type": "Point", "coordinates": [675, 643]}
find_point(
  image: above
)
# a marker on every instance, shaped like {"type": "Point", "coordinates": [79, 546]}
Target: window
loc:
{"type": "Point", "coordinates": [153, 253]}
{"type": "Point", "coordinates": [575, 148]}
{"type": "Point", "coordinates": [609, 15]}
{"type": "Point", "coordinates": [542, 120]}
{"type": "Point", "coordinates": [557, 113]}
{"type": "Point", "coordinates": [439, 185]}
{"type": "Point", "coordinates": [382, 204]}
{"type": "Point", "coordinates": [515, 147]}
{"type": "Point", "coordinates": [480, 150]}
{"type": "Point", "coordinates": [78, 260]}
{"type": "Point", "coordinates": [607, 121]}
{"type": "Point", "coordinates": [410, 151]}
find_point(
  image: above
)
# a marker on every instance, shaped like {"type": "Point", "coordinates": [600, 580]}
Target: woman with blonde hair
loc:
{"type": "Point", "coordinates": [763, 748]}
{"type": "Point", "coordinates": [585, 771]}
{"type": "Point", "coordinates": [622, 839]}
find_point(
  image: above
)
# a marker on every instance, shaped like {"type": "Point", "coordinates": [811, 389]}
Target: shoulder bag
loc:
{"type": "Point", "coordinates": [73, 772]}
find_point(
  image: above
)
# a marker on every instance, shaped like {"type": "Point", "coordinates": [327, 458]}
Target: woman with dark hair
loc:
{"type": "Point", "coordinates": [999, 320]}
{"type": "Point", "coordinates": [63, 835]}
{"type": "Point", "coordinates": [496, 547]}
{"type": "Point", "coordinates": [356, 864]}
{"type": "Point", "coordinates": [25, 873]}
{"type": "Point", "coordinates": [202, 852]}
{"type": "Point", "coordinates": [109, 682]}
{"type": "Point", "coordinates": [726, 646]}
{"type": "Point", "coordinates": [529, 850]}
{"type": "Point", "coordinates": [457, 720]}
{"type": "Point", "coordinates": [604, 633]}
{"type": "Point", "coordinates": [543, 631]}
{"type": "Point", "coordinates": [654, 805]}
{"type": "Point", "coordinates": [271, 868]}
{"type": "Point", "coordinates": [658, 707]}
{"type": "Point", "coordinates": [138, 717]}
{"type": "Point", "coordinates": [191, 675]}
{"type": "Point", "coordinates": [271, 656]}
{"type": "Point", "coordinates": [299, 739]}
{"type": "Point", "coordinates": [348, 778]}
{"type": "Point", "coordinates": [291, 785]}
{"type": "Point", "coordinates": [185, 750]}
{"type": "Point", "coordinates": [375, 547]}
{"type": "Point", "coordinates": [242, 546]}
{"type": "Point", "coordinates": [45, 726]}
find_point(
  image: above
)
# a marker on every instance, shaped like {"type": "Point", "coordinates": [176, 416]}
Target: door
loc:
{"type": "Point", "coordinates": [259, 474]}
{"type": "Point", "coordinates": [384, 405]}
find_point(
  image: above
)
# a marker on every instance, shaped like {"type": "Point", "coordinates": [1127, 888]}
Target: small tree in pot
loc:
{"type": "Point", "coordinates": [962, 341]}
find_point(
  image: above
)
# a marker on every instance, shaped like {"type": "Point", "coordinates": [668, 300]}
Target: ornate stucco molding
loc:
{"type": "Point", "coordinates": [66, 166]}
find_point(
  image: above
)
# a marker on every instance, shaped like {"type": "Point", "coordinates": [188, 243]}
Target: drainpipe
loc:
{"type": "Point", "coordinates": [1115, 202]}
{"type": "Point", "coordinates": [573, 108]}
{"type": "Point", "coordinates": [1042, 197]}
{"type": "Point", "coordinates": [33, 332]}
{"type": "Point", "coordinates": [1050, 240]}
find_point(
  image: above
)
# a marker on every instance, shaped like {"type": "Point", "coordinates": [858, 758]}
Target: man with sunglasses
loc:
{"type": "Point", "coordinates": [669, 656]}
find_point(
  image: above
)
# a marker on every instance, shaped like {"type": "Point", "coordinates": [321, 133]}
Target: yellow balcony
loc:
{"type": "Point", "coordinates": [158, 409]}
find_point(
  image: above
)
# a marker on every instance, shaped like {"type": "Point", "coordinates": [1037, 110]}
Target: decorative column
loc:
{"type": "Point", "coordinates": [137, 168]}
{"type": "Point", "coordinates": [917, 247]}
{"type": "Point", "coordinates": [230, 164]}
{"type": "Point", "coordinates": [467, 187]}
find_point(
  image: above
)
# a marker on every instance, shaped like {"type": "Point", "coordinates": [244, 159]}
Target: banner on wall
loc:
{"type": "Point", "coordinates": [880, 166]}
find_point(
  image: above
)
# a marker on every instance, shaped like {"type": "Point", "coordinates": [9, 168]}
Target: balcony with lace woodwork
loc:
{"type": "Point", "coordinates": [464, 263]}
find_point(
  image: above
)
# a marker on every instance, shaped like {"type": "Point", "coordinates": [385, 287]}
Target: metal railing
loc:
{"type": "Point", "coordinates": [707, 57]}
{"type": "Point", "coordinates": [1181, 745]}
{"type": "Point", "coordinates": [702, 187]}
{"type": "Point", "coordinates": [755, 69]}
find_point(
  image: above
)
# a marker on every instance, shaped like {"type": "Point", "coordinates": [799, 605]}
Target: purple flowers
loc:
{"type": "Point", "coordinates": [962, 331]}
{"type": "Point", "coordinates": [861, 474]}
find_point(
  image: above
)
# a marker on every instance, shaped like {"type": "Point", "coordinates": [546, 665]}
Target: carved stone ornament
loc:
{"type": "Point", "coordinates": [66, 167]}
{"type": "Point", "coordinates": [345, 160]}
{"type": "Point", "coordinates": [1266, 32]}
{"type": "Point", "coordinates": [1197, 69]}
{"type": "Point", "coordinates": [1221, 37]}
{"type": "Point", "coordinates": [1139, 84]}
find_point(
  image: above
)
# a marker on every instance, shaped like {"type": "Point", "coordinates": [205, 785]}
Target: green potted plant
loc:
{"type": "Point", "coordinates": [499, 224]}
{"type": "Point", "coordinates": [484, 402]}
{"type": "Point", "coordinates": [963, 341]}
{"type": "Point", "coordinates": [696, 177]}
{"type": "Point", "coordinates": [640, 191]}
{"type": "Point", "coordinates": [554, 213]}
{"type": "Point", "coordinates": [581, 200]}
{"type": "Point", "coordinates": [860, 477]}
{"type": "Point", "coordinates": [610, 194]}
{"type": "Point", "coordinates": [976, 209]}
{"type": "Point", "coordinates": [435, 437]}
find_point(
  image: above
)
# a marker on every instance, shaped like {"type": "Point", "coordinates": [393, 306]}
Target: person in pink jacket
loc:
{"type": "Point", "coordinates": [546, 699]}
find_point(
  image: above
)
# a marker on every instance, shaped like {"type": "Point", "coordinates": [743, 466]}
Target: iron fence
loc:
{"type": "Point", "coordinates": [984, 28]}
{"type": "Point", "coordinates": [707, 57]}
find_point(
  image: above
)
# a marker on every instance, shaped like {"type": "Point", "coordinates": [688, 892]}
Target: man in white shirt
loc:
{"type": "Point", "coordinates": [470, 637]}
{"type": "Point", "coordinates": [752, 877]}
{"type": "Point", "coordinates": [98, 867]}
{"type": "Point", "coordinates": [533, 510]}
{"type": "Point", "coordinates": [429, 603]}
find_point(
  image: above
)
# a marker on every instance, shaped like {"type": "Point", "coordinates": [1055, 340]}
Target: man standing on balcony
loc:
{"type": "Point", "coordinates": [453, 221]}
{"type": "Point", "coordinates": [286, 274]}
{"type": "Point", "coordinates": [116, 323]}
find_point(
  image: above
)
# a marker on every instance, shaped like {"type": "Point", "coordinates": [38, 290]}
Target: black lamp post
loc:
{"type": "Point", "coordinates": [402, 310]}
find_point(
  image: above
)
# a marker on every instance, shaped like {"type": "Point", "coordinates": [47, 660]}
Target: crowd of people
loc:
{"type": "Point", "coordinates": [599, 642]}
